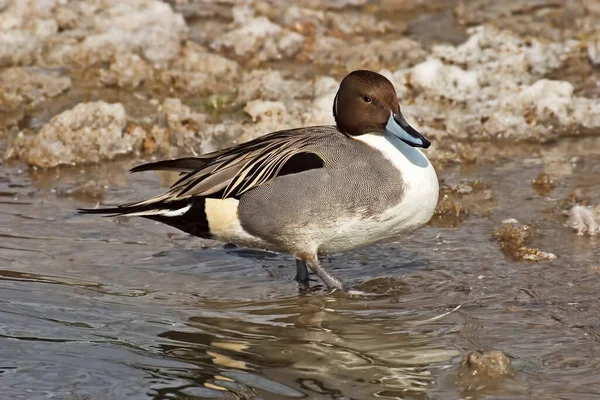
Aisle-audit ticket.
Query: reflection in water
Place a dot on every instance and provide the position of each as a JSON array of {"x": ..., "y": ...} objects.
[{"x": 307, "y": 347}]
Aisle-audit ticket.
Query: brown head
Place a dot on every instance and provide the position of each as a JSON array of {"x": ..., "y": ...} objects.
[{"x": 366, "y": 102}]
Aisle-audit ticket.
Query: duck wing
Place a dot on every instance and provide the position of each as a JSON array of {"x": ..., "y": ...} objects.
[
  {"x": 229, "y": 173},
  {"x": 234, "y": 171}
]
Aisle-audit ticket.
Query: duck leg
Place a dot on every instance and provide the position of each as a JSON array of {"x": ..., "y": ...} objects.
[
  {"x": 301, "y": 273},
  {"x": 331, "y": 281}
]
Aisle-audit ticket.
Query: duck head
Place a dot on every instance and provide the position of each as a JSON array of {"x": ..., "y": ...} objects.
[{"x": 366, "y": 102}]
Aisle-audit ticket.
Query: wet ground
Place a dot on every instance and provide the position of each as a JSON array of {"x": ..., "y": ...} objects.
[{"x": 98, "y": 308}]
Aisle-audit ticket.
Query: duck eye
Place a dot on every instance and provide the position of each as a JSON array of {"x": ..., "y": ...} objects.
[{"x": 367, "y": 99}]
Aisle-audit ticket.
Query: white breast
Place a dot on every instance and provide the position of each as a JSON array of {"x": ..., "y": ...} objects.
[{"x": 415, "y": 209}]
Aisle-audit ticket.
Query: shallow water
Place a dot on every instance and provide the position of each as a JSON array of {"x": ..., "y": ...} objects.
[{"x": 98, "y": 308}]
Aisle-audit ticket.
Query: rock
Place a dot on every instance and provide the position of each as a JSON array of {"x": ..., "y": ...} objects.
[
  {"x": 532, "y": 254},
  {"x": 147, "y": 28},
  {"x": 576, "y": 197},
  {"x": 255, "y": 36},
  {"x": 290, "y": 44},
  {"x": 199, "y": 71},
  {"x": 492, "y": 86},
  {"x": 127, "y": 70},
  {"x": 343, "y": 56},
  {"x": 320, "y": 111},
  {"x": 185, "y": 129},
  {"x": 150, "y": 27},
  {"x": 448, "y": 208},
  {"x": 197, "y": 58},
  {"x": 56, "y": 32},
  {"x": 459, "y": 200},
  {"x": 30, "y": 86},
  {"x": 443, "y": 80},
  {"x": 18, "y": 47},
  {"x": 25, "y": 26},
  {"x": 512, "y": 235},
  {"x": 90, "y": 132},
  {"x": 551, "y": 20},
  {"x": 267, "y": 116},
  {"x": 360, "y": 23},
  {"x": 267, "y": 84},
  {"x": 480, "y": 369},
  {"x": 542, "y": 184},
  {"x": 513, "y": 238},
  {"x": 260, "y": 110}
]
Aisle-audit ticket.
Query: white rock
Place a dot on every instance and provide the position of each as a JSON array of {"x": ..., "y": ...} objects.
[
  {"x": 89, "y": 132},
  {"x": 548, "y": 98},
  {"x": 127, "y": 70},
  {"x": 148, "y": 28},
  {"x": 267, "y": 116},
  {"x": 267, "y": 84},
  {"x": 498, "y": 78},
  {"x": 290, "y": 43},
  {"x": 264, "y": 110},
  {"x": 321, "y": 108},
  {"x": 247, "y": 38},
  {"x": 443, "y": 80},
  {"x": 31, "y": 85}
]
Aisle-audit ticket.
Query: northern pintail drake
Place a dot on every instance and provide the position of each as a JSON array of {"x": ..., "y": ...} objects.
[{"x": 307, "y": 191}]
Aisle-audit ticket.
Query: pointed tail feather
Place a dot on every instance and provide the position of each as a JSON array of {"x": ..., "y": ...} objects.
[
  {"x": 187, "y": 164},
  {"x": 188, "y": 215},
  {"x": 142, "y": 209}
]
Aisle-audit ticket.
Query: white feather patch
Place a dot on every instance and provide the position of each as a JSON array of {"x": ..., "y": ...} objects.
[
  {"x": 162, "y": 212},
  {"x": 225, "y": 225}
]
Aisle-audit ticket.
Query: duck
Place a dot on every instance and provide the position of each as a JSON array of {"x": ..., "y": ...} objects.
[{"x": 309, "y": 191}]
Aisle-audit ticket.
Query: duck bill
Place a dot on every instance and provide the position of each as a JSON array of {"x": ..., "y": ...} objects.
[{"x": 398, "y": 127}]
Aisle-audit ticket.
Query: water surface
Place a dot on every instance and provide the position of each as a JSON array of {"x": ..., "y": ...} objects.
[{"x": 103, "y": 308}]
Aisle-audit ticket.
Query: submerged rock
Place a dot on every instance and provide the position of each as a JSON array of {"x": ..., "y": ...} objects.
[
  {"x": 512, "y": 234},
  {"x": 542, "y": 184},
  {"x": 533, "y": 254},
  {"x": 513, "y": 238},
  {"x": 480, "y": 369},
  {"x": 89, "y": 132},
  {"x": 459, "y": 200}
]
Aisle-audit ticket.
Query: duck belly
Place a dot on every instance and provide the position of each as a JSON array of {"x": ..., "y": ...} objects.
[{"x": 414, "y": 211}]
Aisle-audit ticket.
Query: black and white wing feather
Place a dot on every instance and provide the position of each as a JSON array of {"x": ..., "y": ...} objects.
[{"x": 227, "y": 173}]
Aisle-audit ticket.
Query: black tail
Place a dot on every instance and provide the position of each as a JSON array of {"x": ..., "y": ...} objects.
[
  {"x": 187, "y": 164},
  {"x": 188, "y": 215}
]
